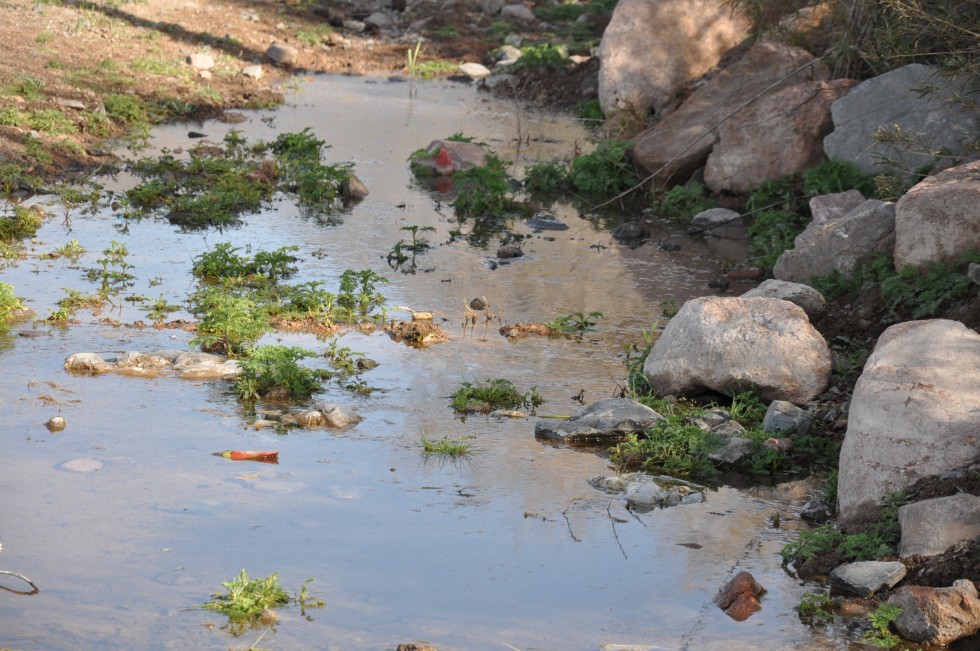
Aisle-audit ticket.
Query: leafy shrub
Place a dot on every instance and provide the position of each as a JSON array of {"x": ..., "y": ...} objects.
[
  {"x": 9, "y": 303},
  {"x": 276, "y": 371},
  {"x": 671, "y": 446},
  {"x": 229, "y": 323},
  {"x": 25, "y": 223},
  {"x": 543, "y": 56},
  {"x": 483, "y": 191},
  {"x": 546, "y": 176},
  {"x": 605, "y": 171},
  {"x": 833, "y": 176},
  {"x": 779, "y": 215},
  {"x": 683, "y": 201}
]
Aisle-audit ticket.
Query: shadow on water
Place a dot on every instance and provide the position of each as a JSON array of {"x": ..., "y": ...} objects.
[{"x": 509, "y": 548}]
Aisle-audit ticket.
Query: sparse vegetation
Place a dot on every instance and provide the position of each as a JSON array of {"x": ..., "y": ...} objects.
[
  {"x": 576, "y": 322},
  {"x": 24, "y": 223},
  {"x": 247, "y": 599},
  {"x": 276, "y": 372},
  {"x": 605, "y": 171},
  {"x": 9, "y": 303},
  {"x": 815, "y": 609},
  {"x": 450, "y": 447}
]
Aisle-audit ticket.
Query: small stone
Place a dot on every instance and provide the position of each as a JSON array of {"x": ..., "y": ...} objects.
[
  {"x": 478, "y": 304},
  {"x": 201, "y": 61},
  {"x": 81, "y": 465},
  {"x": 282, "y": 54},
  {"x": 739, "y": 598},
  {"x": 354, "y": 189},
  {"x": 782, "y": 445},
  {"x": 204, "y": 74},
  {"x": 56, "y": 424},
  {"x": 253, "y": 72},
  {"x": 814, "y": 511},
  {"x": 519, "y": 12},
  {"x": 71, "y": 103},
  {"x": 475, "y": 71},
  {"x": 509, "y": 251}
]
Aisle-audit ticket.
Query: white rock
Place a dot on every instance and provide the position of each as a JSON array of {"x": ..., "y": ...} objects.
[
  {"x": 474, "y": 71},
  {"x": 201, "y": 61},
  {"x": 253, "y": 72},
  {"x": 725, "y": 344},
  {"x": 812, "y": 301},
  {"x": 913, "y": 414}
]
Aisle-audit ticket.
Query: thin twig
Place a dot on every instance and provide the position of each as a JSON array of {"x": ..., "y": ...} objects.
[
  {"x": 569, "y": 522},
  {"x": 613, "y": 521},
  {"x": 709, "y": 130},
  {"x": 22, "y": 578}
]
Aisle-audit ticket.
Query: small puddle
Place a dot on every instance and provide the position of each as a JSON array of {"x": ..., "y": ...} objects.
[{"x": 509, "y": 547}]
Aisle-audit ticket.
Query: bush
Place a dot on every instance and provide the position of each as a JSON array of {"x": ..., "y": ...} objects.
[
  {"x": 605, "y": 171},
  {"x": 546, "y": 176},
  {"x": 683, "y": 201},
  {"x": 25, "y": 223},
  {"x": 276, "y": 371},
  {"x": 9, "y": 303}
]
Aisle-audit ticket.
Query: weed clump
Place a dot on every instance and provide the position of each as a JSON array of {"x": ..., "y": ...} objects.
[
  {"x": 275, "y": 372},
  {"x": 25, "y": 223},
  {"x": 605, "y": 171},
  {"x": 9, "y": 303},
  {"x": 450, "y": 447},
  {"x": 493, "y": 394},
  {"x": 247, "y": 599}
]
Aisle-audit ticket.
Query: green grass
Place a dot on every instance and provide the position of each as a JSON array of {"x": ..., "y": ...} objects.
[
  {"x": 30, "y": 88},
  {"x": 493, "y": 394},
  {"x": 450, "y": 447},
  {"x": 543, "y": 56},
  {"x": 9, "y": 303},
  {"x": 546, "y": 176},
  {"x": 163, "y": 67},
  {"x": 815, "y": 609},
  {"x": 575, "y": 323},
  {"x": 248, "y": 598}
]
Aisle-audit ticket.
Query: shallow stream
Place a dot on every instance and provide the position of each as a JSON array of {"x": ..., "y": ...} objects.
[{"x": 509, "y": 548}]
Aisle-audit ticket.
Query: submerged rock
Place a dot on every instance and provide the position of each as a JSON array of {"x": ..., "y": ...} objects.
[
  {"x": 606, "y": 421},
  {"x": 646, "y": 492},
  {"x": 86, "y": 363}
]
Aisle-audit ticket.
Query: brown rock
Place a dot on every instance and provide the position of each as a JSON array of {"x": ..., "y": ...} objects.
[
  {"x": 681, "y": 142},
  {"x": 739, "y": 598},
  {"x": 780, "y": 134},
  {"x": 937, "y": 615}
]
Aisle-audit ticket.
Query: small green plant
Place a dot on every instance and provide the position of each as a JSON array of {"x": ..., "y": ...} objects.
[
  {"x": 545, "y": 55},
  {"x": 248, "y": 598},
  {"x": 493, "y": 394},
  {"x": 483, "y": 191},
  {"x": 605, "y": 171},
  {"x": 30, "y": 88},
  {"x": 881, "y": 636},
  {"x": 358, "y": 293},
  {"x": 591, "y": 112},
  {"x": 314, "y": 36},
  {"x": 229, "y": 323},
  {"x": 275, "y": 372},
  {"x": 223, "y": 262},
  {"x": 546, "y": 176},
  {"x": 683, "y": 202},
  {"x": 450, "y": 447},
  {"x": 113, "y": 270},
  {"x": 9, "y": 303},
  {"x": 815, "y": 609},
  {"x": 779, "y": 215},
  {"x": 576, "y": 322},
  {"x": 413, "y": 60},
  {"x": 160, "y": 309},
  {"x": 834, "y": 176},
  {"x": 75, "y": 300},
  {"x": 671, "y": 446},
  {"x": 72, "y": 251},
  {"x": 419, "y": 244}
]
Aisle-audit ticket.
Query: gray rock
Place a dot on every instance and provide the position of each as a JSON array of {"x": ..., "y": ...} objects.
[
  {"x": 607, "y": 420},
  {"x": 497, "y": 80},
  {"x": 379, "y": 20},
  {"x": 782, "y": 416},
  {"x": 937, "y": 615},
  {"x": 865, "y": 578},
  {"x": 252, "y": 72},
  {"x": 891, "y": 100},
  {"x": 56, "y": 424},
  {"x": 734, "y": 452},
  {"x": 91, "y": 363},
  {"x": 507, "y": 55},
  {"x": 913, "y": 414},
  {"x": 938, "y": 219},
  {"x": 546, "y": 222},
  {"x": 814, "y": 511},
  {"x": 650, "y": 50},
  {"x": 461, "y": 156},
  {"x": 67, "y": 102},
  {"x": 355, "y": 26},
  {"x": 282, "y": 54},
  {"x": 812, "y": 301},
  {"x": 842, "y": 245},
  {"x": 654, "y": 493},
  {"x": 573, "y": 433},
  {"x": 931, "y": 527},
  {"x": 354, "y": 189},
  {"x": 720, "y": 222},
  {"x": 201, "y": 61},
  {"x": 973, "y": 272},
  {"x": 828, "y": 207},
  {"x": 517, "y": 12},
  {"x": 475, "y": 71},
  {"x": 728, "y": 429},
  {"x": 722, "y": 344},
  {"x": 493, "y": 7},
  {"x": 335, "y": 415}
]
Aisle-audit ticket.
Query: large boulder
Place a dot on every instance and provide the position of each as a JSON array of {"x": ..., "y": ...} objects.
[
  {"x": 780, "y": 134},
  {"x": 937, "y": 615},
  {"x": 931, "y": 527},
  {"x": 730, "y": 344},
  {"x": 650, "y": 50},
  {"x": 891, "y": 100},
  {"x": 680, "y": 143},
  {"x": 841, "y": 245},
  {"x": 913, "y": 414},
  {"x": 938, "y": 219}
]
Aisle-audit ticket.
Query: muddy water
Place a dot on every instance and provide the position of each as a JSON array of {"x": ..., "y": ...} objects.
[{"x": 510, "y": 548}]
